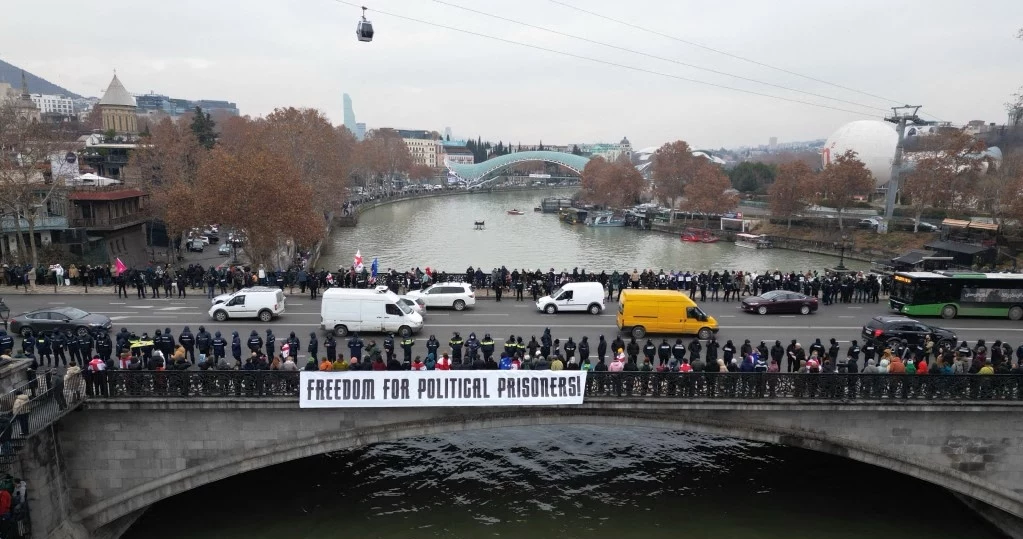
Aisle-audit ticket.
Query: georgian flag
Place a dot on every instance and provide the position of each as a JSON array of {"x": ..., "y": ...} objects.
[{"x": 358, "y": 261}]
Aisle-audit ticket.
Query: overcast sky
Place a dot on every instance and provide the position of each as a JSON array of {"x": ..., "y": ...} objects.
[{"x": 959, "y": 59}]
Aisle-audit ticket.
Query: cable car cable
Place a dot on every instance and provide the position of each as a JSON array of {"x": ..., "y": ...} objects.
[
  {"x": 614, "y": 64},
  {"x": 654, "y": 56},
  {"x": 730, "y": 55}
]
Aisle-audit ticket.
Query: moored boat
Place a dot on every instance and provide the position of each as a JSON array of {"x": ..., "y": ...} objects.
[
  {"x": 516, "y": 212},
  {"x": 698, "y": 235},
  {"x": 604, "y": 219},
  {"x": 753, "y": 241}
]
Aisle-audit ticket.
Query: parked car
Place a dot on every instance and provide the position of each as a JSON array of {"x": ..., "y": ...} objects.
[
  {"x": 582, "y": 297},
  {"x": 416, "y": 304},
  {"x": 455, "y": 295},
  {"x": 196, "y": 245},
  {"x": 62, "y": 318},
  {"x": 780, "y": 301},
  {"x": 224, "y": 249},
  {"x": 888, "y": 330},
  {"x": 870, "y": 223}
]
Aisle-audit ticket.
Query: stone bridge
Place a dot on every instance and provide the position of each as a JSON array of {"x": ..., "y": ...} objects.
[{"x": 105, "y": 465}]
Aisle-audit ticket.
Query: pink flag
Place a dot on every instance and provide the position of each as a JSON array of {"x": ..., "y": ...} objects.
[{"x": 119, "y": 266}]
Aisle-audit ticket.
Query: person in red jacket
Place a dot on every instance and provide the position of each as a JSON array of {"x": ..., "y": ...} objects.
[{"x": 444, "y": 363}]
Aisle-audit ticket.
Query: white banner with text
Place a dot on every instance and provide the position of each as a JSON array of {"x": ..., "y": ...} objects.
[{"x": 389, "y": 389}]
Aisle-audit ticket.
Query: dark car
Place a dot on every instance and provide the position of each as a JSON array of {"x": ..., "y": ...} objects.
[
  {"x": 886, "y": 331},
  {"x": 780, "y": 301},
  {"x": 62, "y": 318}
]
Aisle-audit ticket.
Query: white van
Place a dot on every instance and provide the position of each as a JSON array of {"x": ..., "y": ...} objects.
[
  {"x": 260, "y": 302},
  {"x": 347, "y": 310},
  {"x": 586, "y": 296}
]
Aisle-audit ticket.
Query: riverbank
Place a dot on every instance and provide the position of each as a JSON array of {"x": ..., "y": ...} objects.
[{"x": 827, "y": 246}]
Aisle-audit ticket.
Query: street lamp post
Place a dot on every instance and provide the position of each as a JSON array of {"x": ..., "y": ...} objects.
[{"x": 841, "y": 256}]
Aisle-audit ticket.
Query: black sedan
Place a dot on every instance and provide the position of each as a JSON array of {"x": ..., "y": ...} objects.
[
  {"x": 62, "y": 318},
  {"x": 780, "y": 301}
]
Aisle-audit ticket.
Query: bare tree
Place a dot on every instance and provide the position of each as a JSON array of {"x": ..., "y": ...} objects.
[
  {"x": 710, "y": 191},
  {"x": 791, "y": 191},
  {"x": 674, "y": 168},
  {"x": 28, "y": 150},
  {"x": 842, "y": 181}
]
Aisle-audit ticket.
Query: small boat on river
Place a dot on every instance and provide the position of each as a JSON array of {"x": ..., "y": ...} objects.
[{"x": 516, "y": 212}]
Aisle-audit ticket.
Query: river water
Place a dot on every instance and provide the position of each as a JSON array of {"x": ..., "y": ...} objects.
[
  {"x": 438, "y": 233},
  {"x": 578, "y": 482}
]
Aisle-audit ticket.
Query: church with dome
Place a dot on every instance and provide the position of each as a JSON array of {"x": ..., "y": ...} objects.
[{"x": 117, "y": 107}]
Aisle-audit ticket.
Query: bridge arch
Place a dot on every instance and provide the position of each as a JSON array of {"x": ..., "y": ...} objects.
[
  {"x": 238, "y": 462},
  {"x": 478, "y": 173}
]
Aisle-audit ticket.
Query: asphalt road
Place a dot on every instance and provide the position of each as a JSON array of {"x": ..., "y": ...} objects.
[{"x": 843, "y": 321}]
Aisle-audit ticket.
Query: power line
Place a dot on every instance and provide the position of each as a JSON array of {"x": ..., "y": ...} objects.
[
  {"x": 599, "y": 61},
  {"x": 730, "y": 55},
  {"x": 641, "y": 53}
]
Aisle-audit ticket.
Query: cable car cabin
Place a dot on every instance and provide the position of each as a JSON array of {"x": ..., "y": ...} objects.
[{"x": 364, "y": 30}]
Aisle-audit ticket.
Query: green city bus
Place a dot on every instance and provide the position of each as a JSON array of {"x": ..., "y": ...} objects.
[{"x": 949, "y": 294}]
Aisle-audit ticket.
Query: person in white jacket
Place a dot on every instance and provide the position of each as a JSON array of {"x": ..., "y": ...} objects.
[
  {"x": 20, "y": 411},
  {"x": 74, "y": 384}
]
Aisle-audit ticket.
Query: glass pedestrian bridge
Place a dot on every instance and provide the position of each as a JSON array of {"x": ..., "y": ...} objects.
[{"x": 481, "y": 173}]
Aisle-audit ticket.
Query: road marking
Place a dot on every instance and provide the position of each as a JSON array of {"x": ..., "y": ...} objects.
[
  {"x": 171, "y": 308},
  {"x": 787, "y": 316},
  {"x": 726, "y": 316},
  {"x": 57, "y": 303},
  {"x": 487, "y": 314},
  {"x": 854, "y": 307},
  {"x": 118, "y": 303},
  {"x": 142, "y": 307},
  {"x": 295, "y": 304},
  {"x": 846, "y": 316}
]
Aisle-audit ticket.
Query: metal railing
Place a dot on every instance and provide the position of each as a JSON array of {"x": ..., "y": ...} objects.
[
  {"x": 846, "y": 388},
  {"x": 108, "y": 222}
]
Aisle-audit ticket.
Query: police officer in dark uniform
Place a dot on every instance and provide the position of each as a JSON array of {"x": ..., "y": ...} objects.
[
  {"x": 7, "y": 342},
  {"x": 678, "y": 351},
  {"x": 255, "y": 343},
  {"x": 314, "y": 345},
  {"x": 187, "y": 341},
  {"x": 271, "y": 343},
  {"x": 355, "y": 345},
  {"x": 456, "y": 343},
  {"x": 219, "y": 344},
  {"x": 104, "y": 346},
  {"x": 570, "y": 348},
  {"x": 330, "y": 346},
  {"x": 406, "y": 348},
  {"x": 389, "y": 347},
  {"x": 58, "y": 343},
  {"x": 44, "y": 348},
  {"x": 168, "y": 343},
  {"x": 85, "y": 348},
  {"x": 432, "y": 345},
  {"x": 28, "y": 344},
  {"x": 584, "y": 349},
  {"x": 473, "y": 345},
  {"x": 663, "y": 352},
  {"x": 487, "y": 346},
  {"x": 204, "y": 341}
]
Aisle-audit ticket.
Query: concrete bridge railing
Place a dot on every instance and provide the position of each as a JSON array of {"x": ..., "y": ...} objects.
[{"x": 160, "y": 434}]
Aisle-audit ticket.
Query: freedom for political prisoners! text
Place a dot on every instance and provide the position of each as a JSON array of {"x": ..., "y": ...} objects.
[{"x": 436, "y": 388}]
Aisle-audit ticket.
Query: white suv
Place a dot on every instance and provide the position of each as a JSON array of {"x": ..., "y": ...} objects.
[{"x": 455, "y": 295}]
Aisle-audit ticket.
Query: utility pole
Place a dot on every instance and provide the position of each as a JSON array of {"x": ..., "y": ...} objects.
[{"x": 901, "y": 116}]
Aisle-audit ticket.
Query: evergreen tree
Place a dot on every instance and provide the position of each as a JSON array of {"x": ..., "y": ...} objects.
[
  {"x": 576, "y": 150},
  {"x": 202, "y": 128}
]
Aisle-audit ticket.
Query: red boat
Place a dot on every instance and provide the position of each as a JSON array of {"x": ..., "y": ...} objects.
[{"x": 698, "y": 235}]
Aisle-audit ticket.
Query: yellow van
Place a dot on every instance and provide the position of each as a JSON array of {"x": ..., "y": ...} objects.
[{"x": 663, "y": 311}]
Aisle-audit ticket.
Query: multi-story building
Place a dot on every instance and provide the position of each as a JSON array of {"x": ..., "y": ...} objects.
[
  {"x": 349, "y": 113},
  {"x": 360, "y": 131},
  {"x": 151, "y": 103},
  {"x": 458, "y": 155},
  {"x": 424, "y": 146},
  {"x": 608, "y": 151},
  {"x": 54, "y": 104}
]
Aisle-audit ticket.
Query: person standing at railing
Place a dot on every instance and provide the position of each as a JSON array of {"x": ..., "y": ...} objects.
[{"x": 20, "y": 410}]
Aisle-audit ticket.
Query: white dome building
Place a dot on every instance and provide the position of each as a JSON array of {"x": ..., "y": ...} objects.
[{"x": 874, "y": 142}]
